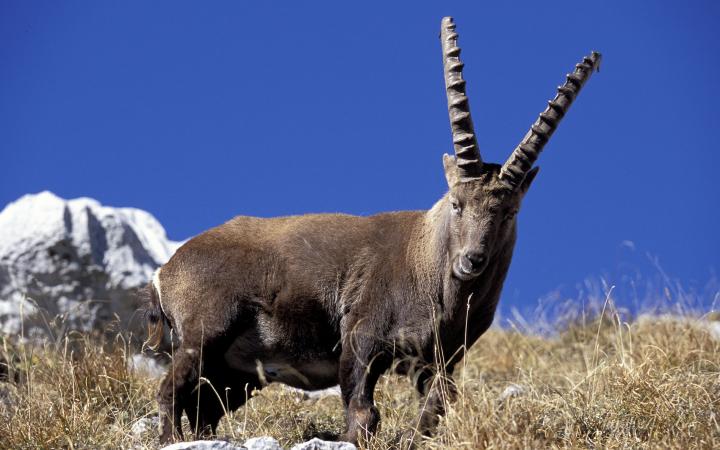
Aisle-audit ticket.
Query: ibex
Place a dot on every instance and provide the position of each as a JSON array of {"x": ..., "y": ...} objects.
[{"x": 316, "y": 300}]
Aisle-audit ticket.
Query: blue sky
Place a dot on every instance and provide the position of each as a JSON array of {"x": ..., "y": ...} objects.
[{"x": 197, "y": 113}]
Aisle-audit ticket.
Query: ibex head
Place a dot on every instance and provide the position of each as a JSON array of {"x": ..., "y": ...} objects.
[{"x": 484, "y": 198}]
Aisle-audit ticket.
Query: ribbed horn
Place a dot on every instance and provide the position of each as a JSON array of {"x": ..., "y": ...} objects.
[
  {"x": 467, "y": 154},
  {"x": 526, "y": 153}
]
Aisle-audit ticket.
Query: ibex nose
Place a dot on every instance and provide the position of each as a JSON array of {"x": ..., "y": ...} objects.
[{"x": 477, "y": 259}]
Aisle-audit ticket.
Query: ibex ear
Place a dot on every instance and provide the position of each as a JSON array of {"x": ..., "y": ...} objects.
[
  {"x": 450, "y": 165},
  {"x": 528, "y": 180}
]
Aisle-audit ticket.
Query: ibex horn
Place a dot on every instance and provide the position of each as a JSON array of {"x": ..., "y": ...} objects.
[
  {"x": 526, "y": 153},
  {"x": 468, "y": 159}
]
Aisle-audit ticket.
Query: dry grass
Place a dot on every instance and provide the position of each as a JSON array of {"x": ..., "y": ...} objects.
[{"x": 603, "y": 384}]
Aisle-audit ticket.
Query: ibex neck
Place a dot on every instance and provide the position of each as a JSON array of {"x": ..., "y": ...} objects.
[
  {"x": 432, "y": 267},
  {"x": 428, "y": 253}
]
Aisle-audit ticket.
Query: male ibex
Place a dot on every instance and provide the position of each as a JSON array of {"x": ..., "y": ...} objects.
[{"x": 316, "y": 300}]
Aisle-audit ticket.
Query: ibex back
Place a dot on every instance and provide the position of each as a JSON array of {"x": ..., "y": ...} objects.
[{"x": 316, "y": 300}]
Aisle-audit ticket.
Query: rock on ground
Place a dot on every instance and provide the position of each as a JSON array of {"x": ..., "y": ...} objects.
[
  {"x": 145, "y": 425},
  {"x": 260, "y": 443},
  {"x": 708, "y": 323},
  {"x": 317, "y": 444},
  {"x": 203, "y": 445},
  {"x": 146, "y": 366},
  {"x": 75, "y": 260},
  {"x": 314, "y": 395},
  {"x": 513, "y": 390},
  {"x": 8, "y": 397}
]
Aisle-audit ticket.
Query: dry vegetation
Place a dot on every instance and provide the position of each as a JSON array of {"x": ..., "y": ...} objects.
[{"x": 603, "y": 383}]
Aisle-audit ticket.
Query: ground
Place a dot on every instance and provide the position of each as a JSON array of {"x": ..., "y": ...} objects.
[{"x": 609, "y": 383}]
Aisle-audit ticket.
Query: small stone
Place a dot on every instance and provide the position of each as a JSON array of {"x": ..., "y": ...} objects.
[
  {"x": 146, "y": 366},
  {"x": 514, "y": 390},
  {"x": 317, "y": 444},
  {"x": 8, "y": 397},
  {"x": 203, "y": 445},
  {"x": 262, "y": 443},
  {"x": 714, "y": 329},
  {"x": 145, "y": 425},
  {"x": 315, "y": 395}
]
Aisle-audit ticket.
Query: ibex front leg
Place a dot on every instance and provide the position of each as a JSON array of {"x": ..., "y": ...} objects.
[
  {"x": 438, "y": 390},
  {"x": 176, "y": 391},
  {"x": 361, "y": 364}
]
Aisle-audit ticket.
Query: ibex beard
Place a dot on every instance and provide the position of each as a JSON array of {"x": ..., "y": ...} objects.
[{"x": 316, "y": 300}]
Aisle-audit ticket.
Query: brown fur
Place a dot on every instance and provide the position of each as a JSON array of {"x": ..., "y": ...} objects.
[{"x": 318, "y": 299}]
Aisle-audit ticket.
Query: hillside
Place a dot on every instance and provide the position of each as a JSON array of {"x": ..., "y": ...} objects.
[{"x": 654, "y": 382}]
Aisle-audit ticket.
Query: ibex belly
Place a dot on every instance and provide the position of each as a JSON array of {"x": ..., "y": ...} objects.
[{"x": 312, "y": 370}]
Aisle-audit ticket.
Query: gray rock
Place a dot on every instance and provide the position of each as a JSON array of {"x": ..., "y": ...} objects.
[
  {"x": 145, "y": 425},
  {"x": 705, "y": 323},
  {"x": 262, "y": 443},
  {"x": 146, "y": 366},
  {"x": 514, "y": 390},
  {"x": 315, "y": 395},
  {"x": 317, "y": 444},
  {"x": 76, "y": 261},
  {"x": 714, "y": 329},
  {"x": 203, "y": 445},
  {"x": 8, "y": 397}
]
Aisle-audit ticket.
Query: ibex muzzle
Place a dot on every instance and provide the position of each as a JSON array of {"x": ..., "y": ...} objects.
[{"x": 316, "y": 300}]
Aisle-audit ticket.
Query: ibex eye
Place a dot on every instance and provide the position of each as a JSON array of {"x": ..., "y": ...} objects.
[{"x": 456, "y": 207}]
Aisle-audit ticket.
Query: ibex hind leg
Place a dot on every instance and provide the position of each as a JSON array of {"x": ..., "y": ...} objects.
[
  {"x": 203, "y": 410},
  {"x": 223, "y": 390},
  {"x": 176, "y": 391}
]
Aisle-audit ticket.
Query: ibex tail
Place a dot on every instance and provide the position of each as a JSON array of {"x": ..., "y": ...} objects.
[{"x": 154, "y": 314}]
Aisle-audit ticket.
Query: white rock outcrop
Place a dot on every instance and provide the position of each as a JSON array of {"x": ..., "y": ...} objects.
[{"x": 74, "y": 261}]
